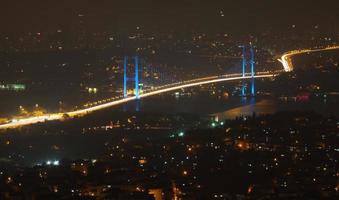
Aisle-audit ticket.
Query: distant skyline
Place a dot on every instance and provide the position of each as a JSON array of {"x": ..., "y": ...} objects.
[{"x": 232, "y": 15}]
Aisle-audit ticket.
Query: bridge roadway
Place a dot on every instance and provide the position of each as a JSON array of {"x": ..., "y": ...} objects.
[
  {"x": 286, "y": 57},
  {"x": 285, "y": 60},
  {"x": 14, "y": 123}
]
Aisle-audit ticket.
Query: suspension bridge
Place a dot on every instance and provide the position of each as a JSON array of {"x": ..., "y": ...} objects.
[{"x": 246, "y": 61}]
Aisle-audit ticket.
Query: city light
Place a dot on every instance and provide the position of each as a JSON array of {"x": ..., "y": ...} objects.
[{"x": 53, "y": 162}]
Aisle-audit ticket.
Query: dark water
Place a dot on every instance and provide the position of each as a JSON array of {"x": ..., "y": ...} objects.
[
  {"x": 270, "y": 106},
  {"x": 233, "y": 107}
]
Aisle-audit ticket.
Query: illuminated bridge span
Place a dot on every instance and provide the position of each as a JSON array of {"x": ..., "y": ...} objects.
[
  {"x": 159, "y": 90},
  {"x": 286, "y": 58}
]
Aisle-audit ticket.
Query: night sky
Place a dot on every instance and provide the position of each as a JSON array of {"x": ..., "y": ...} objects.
[{"x": 44, "y": 15}]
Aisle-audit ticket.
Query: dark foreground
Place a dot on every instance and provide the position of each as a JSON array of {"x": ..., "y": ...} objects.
[{"x": 283, "y": 156}]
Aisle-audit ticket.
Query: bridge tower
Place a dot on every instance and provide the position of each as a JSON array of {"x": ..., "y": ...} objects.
[
  {"x": 252, "y": 72},
  {"x": 245, "y": 63},
  {"x": 135, "y": 78}
]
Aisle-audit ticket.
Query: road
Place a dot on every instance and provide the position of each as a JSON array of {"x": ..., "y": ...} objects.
[
  {"x": 286, "y": 57},
  {"x": 14, "y": 123},
  {"x": 285, "y": 60}
]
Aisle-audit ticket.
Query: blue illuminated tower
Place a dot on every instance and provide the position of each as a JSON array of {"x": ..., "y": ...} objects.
[
  {"x": 243, "y": 70},
  {"x": 135, "y": 79},
  {"x": 125, "y": 76},
  {"x": 245, "y": 63},
  {"x": 252, "y": 72}
]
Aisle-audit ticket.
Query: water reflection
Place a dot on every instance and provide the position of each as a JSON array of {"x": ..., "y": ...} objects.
[{"x": 249, "y": 106}]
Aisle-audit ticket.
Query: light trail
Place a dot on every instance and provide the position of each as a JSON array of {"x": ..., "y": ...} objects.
[
  {"x": 186, "y": 84},
  {"x": 201, "y": 83},
  {"x": 286, "y": 58}
]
